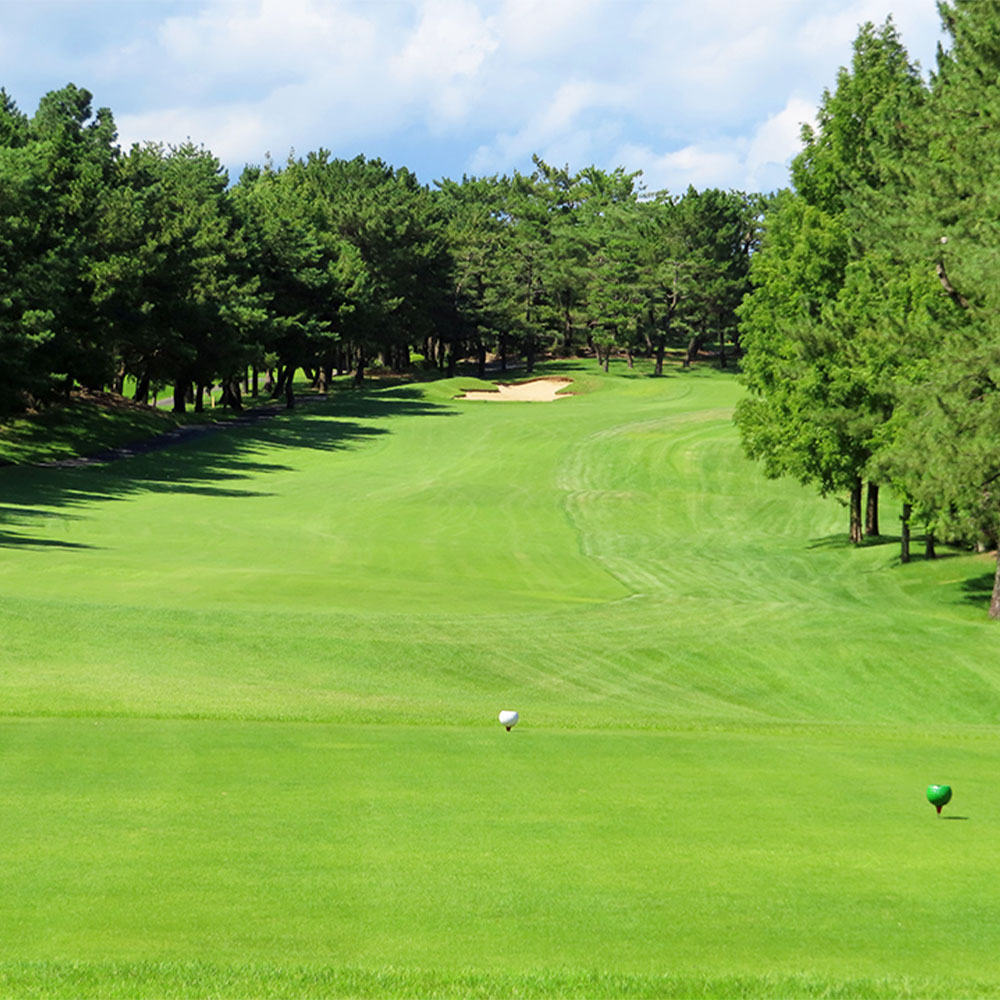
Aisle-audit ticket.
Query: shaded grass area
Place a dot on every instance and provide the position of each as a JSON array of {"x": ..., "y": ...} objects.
[
  {"x": 80, "y": 427},
  {"x": 169, "y": 980}
]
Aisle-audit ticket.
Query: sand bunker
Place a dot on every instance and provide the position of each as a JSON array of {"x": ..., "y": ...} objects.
[{"x": 541, "y": 390}]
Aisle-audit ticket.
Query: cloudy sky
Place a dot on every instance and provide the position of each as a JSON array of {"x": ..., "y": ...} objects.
[{"x": 708, "y": 92}]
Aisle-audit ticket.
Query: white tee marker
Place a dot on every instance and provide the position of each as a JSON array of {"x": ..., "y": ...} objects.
[{"x": 508, "y": 718}]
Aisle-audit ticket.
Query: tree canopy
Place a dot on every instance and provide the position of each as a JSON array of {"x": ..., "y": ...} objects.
[
  {"x": 145, "y": 267},
  {"x": 871, "y": 334}
]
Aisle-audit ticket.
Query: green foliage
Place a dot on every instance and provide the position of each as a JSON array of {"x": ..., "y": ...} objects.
[
  {"x": 144, "y": 267},
  {"x": 942, "y": 450},
  {"x": 825, "y": 328},
  {"x": 54, "y": 172}
]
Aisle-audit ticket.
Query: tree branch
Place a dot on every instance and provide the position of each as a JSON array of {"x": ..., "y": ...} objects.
[{"x": 953, "y": 292}]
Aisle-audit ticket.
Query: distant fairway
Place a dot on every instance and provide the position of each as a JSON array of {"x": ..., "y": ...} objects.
[{"x": 249, "y": 689}]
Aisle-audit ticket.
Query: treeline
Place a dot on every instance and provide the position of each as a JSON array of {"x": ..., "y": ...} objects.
[
  {"x": 144, "y": 268},
  {"x": 872, "y": 334}
]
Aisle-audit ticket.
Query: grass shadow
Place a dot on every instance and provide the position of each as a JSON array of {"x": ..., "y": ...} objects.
[
  {"x": 978, "y": 590},
  {"x": 917, "y": 542},
  {"x": 838, "y": 541},
  {"x": 211, "y": 460},
  {"x": 8, "y": 540}
]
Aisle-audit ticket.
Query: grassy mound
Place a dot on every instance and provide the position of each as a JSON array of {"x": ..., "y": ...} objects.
[{"x": 87, "y": 424}]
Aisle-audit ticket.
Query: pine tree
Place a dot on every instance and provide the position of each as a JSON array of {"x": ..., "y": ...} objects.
[{"x": 819, "y": 347}]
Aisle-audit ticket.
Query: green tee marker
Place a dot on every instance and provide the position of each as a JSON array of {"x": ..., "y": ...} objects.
[{"x": 939, "y": 795}]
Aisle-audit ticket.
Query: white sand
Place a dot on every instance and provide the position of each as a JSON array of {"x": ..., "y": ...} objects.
[{"x": 541, "y": 390}]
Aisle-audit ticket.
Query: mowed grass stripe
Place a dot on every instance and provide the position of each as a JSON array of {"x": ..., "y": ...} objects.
[{"x": 608, "y": 559}]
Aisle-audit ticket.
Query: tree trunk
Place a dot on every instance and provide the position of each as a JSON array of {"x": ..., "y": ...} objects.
[
  {"x": 628, "y": 355},
  {"x": 529, "y": 355},
  {"x": 871, "y": 511},
  {"x": 359, "y": 372},
  {"x": 694, "y": 345},
  {"x": 141, "y": 394},
  {"x": 286, "y": 376},
  {"x": 503, "y": 352},
  {"x": 180, "y": 395},
  {"x": 995, "y": 599},
  {"x": 904, "y": 537},
  {"x": 481, "y": 359},
  {"x": 290, "y": 387},
  {"x": 722, "y": 349},
  {"x": 661, "y": 343},
  {"x": 231, "y": 395},
  {"x": 254, "y": 381},
  {"x": 929, "y": 550},
  {"x": 856, "y": 534},
  {"x": 199, "y": 398}
]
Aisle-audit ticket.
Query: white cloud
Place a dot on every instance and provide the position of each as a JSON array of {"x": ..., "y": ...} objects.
[
  {"x": 452, "y": 39},
  {"x": 560, "y": 123},
  {"x": 757, "y": 163},
  {"x": 711, "y": 93},
  {"x": 443, "y": 57},
  {"x": 694, "y": 165},
  {"x": 777, "y": 140},
  {"x": 533, "y": 30}
]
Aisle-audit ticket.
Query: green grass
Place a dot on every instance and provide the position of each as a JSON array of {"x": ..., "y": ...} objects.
[{"x": 249, "y": 689}]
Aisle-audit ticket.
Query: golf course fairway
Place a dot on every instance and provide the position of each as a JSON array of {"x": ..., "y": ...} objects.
[{"x": 249, "y": 693}]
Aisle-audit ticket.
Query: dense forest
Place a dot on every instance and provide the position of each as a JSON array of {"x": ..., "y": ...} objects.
[
  {"x": 145, "y": 268},
  {"x": 860, "y": 302}
]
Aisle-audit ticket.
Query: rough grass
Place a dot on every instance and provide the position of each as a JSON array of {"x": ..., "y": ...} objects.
[{"x": 249, "y": 689}]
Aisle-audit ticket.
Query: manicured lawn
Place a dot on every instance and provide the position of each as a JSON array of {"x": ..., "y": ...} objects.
[{"x": 249, "y": 689}]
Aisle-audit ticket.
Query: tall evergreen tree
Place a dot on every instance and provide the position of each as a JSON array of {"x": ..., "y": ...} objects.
[
  {"x": 55, "y": 173},
  {"x": 943, "y": 451},
  {"x": 817, "y": 361}
]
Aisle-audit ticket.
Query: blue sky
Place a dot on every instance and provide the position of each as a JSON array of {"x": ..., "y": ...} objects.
[{"x": 703, "y": 92}]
